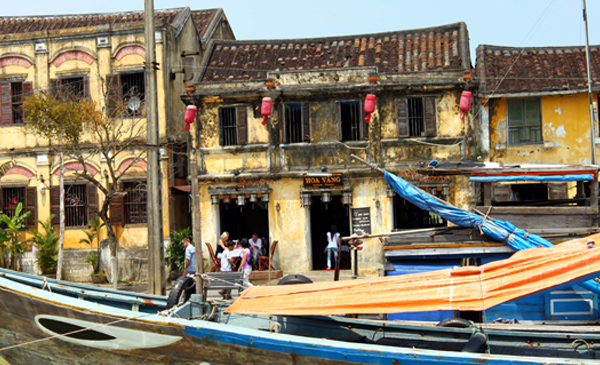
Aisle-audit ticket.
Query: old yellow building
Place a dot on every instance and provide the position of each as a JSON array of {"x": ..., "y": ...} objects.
[
  {"x": 292, "y": 178},
  {"x": 101, "y": 57}
]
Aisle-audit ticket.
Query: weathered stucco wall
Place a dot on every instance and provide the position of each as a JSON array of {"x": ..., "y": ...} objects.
[{"x": 565, "y": 132}]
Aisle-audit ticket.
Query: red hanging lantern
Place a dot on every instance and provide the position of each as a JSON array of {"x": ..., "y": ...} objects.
[
  {"x": 266, "y": 108},
  {"x": 370, "y": 102},
  {"x": 465, "y": 102},
  {"x": 190, "y": 116}
]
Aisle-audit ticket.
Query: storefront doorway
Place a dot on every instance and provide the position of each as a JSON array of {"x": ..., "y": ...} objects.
[
  {"x": 322, "y": 216},
  {"x": 243, "y": 220}
]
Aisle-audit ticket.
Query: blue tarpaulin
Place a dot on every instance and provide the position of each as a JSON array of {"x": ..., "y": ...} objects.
[
  {"x": 501, "y": 231},
  {"x": 549, "y": 178}
]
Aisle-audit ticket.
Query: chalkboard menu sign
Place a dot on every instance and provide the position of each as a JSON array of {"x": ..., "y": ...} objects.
[
  {"x": 361, "y": 221},
  {"x": 324, "y": 181}
]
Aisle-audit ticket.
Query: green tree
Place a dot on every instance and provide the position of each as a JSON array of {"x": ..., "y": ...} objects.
[
  {"x": 47, "y": 244},
  {"x": 14, "y": 245},
  {"x": 93, "y": 234}
]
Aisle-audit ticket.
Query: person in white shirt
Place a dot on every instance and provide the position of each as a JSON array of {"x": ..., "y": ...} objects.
[
  {"x": 226, "y": 261},
  {"x": 332, "y": 245},
  {"x": 256, "y": 243}
]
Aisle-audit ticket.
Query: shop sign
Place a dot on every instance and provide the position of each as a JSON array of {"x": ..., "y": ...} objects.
[
  {"x": 333, "y": 181},
  {"x": 361, "y": 221}
]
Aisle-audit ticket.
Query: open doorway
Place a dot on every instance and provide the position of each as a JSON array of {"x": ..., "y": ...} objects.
[
  {"x": 322, "y": 216},
  {"x": 243, "y": 220},
  {"x": 409, "y": 216}
]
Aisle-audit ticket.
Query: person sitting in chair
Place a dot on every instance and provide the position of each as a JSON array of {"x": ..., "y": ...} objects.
[
  {"x": 256, "y": 243},
  {"x": 222, "y": 244}
]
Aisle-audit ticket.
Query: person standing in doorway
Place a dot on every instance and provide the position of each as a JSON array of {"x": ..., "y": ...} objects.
[
  {"x": 222, "y": 244},
  {"x": 190, "y": 257},
  {"x": 245, "y": 267},
  {"x": 226, "y": 261},
  {"x": 332, "y": 245}
]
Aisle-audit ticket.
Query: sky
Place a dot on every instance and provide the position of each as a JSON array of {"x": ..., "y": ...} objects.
[{"x": 516, "y": 23}]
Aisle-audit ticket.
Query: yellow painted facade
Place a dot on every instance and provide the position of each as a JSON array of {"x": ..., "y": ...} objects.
[
  {"x": 95, "y": 52},
  {"x": 565, "y": 129}
]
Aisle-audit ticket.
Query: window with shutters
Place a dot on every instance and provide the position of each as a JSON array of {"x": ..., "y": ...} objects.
[
  {"x": 135, "y": 202},
  {"x": 10, "y": 197},
  {"x": 297, "y": 122},
  {"x": 352, "y": 121},
  {"x": 233, "y": 126},
  {"x": 75, "y": 206},
  {"x": 126, "y": 94},
  {"x": 416, "y": 117},
  {"x": 524, "y": 121},
  {"x": 11, "y": 100}
]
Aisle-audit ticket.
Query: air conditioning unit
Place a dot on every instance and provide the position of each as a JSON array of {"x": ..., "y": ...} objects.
[
  {"x": 103, "y": 41},
  {"x": 40, "y": 47}
]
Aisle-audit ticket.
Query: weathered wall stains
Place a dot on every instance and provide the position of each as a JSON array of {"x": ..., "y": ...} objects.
[{"x": 565, "y": 132}]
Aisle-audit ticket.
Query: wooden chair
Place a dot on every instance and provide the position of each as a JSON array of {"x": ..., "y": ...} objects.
[
  {"x": 265, "y": 261},
  {"x": 216, "y": 262}
]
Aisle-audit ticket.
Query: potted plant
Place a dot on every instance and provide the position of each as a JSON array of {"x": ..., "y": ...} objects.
[
  {"x": 47, "y": 244},
  {"x": 14, "y": 224},
  {"x": 176, "y": 252},
  {"x": 93, "y": 258}
]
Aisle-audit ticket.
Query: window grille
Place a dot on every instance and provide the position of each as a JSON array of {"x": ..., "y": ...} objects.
[
  {"x": 16, "y": 92},
  {"x": 416, "y": 117},
  {"x": 11, "y": 198},
  {"x": 351, "y": 121},
  {"x": 75, "y": 206},
  {"x": 293, "y": 120},
  {"x": 227, "y": 116},
  {"x": 135, "y": 202}
]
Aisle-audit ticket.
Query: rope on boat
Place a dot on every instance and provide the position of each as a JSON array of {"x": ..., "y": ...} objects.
[
  {"x": 73, "y": 332},
  {"x": 211, "y": 278}
]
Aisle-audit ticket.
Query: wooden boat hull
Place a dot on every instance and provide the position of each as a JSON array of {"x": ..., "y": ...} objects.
[{"x": 31, "y": 316}]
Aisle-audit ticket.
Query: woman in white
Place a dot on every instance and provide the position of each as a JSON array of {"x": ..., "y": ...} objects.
[{"x": 332, "y": 244}]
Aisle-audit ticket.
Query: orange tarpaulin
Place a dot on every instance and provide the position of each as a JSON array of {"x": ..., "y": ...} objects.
[{"x": 466, "y": 288}]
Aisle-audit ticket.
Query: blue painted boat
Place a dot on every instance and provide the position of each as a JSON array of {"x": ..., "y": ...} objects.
[{"x": 46, "y": 320}]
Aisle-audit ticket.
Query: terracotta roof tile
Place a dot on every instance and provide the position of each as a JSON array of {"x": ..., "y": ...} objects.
[
  {"x": 27, "y": 24},
  {"x": 420, "y": 50},
  {"x": 510, "y": 70}
]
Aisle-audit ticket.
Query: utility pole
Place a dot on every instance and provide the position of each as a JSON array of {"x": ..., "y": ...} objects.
[
  {"x": 196, "y": 217},
  {"x": 61, "y": 213},
  {"x": 155, "y": 236},
  {"x": 589, "y": 82}
]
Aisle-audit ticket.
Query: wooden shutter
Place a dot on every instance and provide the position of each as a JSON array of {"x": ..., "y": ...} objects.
[
  {"x": 117, "y": 208},
  {"x": 27, "y": 88},
  {"x": 55, "y": 204},
  {"x": 241, "y": 123},
  {"x": 86, "y": 87},
  {"x": 284, "y": 125},
  {"x": 220, "y": 112},
  {"x": 113, "y": 91},
  {"x": 31, "y": 206},
  {"x": 364, "y": 126},
  {"x": 501, "y": 192},
  {"x": 306, "y": 122},
  {"x": 339, "y": 121},
  {"x": 430, "y": 116},
  {"x": 558, "y": 191},
  {"x": 5, "y": 104},
  {"x": 402, "y": 117},
  {"x": 92, "y": 201},
  {"x": 1, "y": 199}
]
